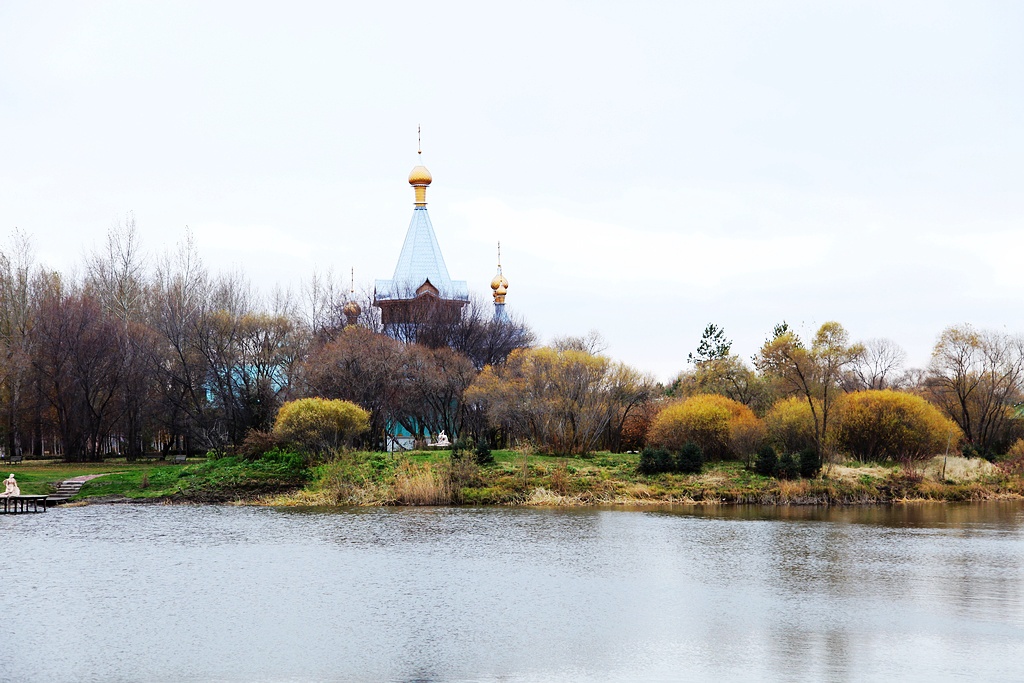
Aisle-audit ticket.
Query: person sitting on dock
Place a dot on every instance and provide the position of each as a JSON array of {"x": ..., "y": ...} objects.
[{"x": 11, "y": 487}]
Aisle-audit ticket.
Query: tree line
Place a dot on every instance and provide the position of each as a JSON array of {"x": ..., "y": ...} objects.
[{"x": 137, "y": 354}]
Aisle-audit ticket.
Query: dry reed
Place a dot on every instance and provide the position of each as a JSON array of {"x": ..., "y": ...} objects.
[{"x": 422, "y": 485}]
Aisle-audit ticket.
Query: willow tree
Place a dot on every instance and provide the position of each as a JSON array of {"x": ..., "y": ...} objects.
[
  {"x": 814, "y": 373},
  {"x": 562, "y": 399}
]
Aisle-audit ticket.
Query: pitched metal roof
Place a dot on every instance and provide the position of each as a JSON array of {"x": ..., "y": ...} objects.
[{"x": 420, "y": 261}]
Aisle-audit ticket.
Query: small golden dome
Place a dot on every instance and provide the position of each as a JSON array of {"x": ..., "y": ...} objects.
[
  {"x": 499, "y": 282},
  {"x": 351, "y": 310},
  {"x": 420, "y": 176}
]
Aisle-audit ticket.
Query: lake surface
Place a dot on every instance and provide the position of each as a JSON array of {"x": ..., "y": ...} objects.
[{"x": 170, "y": 593}]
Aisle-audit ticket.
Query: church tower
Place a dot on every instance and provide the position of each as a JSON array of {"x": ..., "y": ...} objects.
[{"x": 420, "y": 291}]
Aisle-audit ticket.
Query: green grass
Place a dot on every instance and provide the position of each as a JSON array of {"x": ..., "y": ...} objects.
[
  {"x": 372, "y": 478},
  {"x": 204, "y": 480}
]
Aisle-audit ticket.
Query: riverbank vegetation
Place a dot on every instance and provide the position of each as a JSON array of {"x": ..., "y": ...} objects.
[
  {"x": 360, "y": 478},
  {"x": 292, "y": 396}
]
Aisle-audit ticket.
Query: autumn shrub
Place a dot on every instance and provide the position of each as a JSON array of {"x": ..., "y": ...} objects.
[
  {"x": 633, "y": 435},
  {"x": 746, "y": 435},
  {"x": 718, "y": 425},
  {"x": 1013, "y": 463},
  {"x": 256, "y": 443},
  {"x": 893, "y": 425},
  {"x": 318, "y": 425},
  {"x": 790, "y": 425}
]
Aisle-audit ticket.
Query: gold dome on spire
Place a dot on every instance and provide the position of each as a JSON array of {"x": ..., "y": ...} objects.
[
  {"x": 499, "y": 284},
  {"x": 420, "y": 176}
]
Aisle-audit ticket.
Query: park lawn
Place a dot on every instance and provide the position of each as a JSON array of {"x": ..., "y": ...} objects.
[
  {"x": 205, "y": 480},
  {"x": 38, "y": 477}
]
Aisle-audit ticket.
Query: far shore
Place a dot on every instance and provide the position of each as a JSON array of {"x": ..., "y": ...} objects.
[{"x": 512, "y": 479}]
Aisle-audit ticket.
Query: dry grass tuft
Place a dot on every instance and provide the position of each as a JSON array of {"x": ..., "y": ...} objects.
[
  {"x": 959, "y": 468},
  {"x": 795, "y": 490},
  {"x": 422, "y": 485},
  {"x": 854, "y": 474}
]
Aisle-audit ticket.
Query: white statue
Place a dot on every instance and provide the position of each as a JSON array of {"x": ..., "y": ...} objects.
[
  {"x": 442, "y": 440},
  {"x": 11, "y": 487}
]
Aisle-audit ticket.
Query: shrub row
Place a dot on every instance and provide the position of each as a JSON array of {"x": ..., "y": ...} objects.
[{"x": 687, "y": 460}]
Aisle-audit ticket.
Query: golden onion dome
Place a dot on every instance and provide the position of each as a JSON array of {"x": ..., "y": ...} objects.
[
  {"x": 499, "y": 282},
  {"x": 351, "y": 310},
  {"x": 420, "y": 176}
]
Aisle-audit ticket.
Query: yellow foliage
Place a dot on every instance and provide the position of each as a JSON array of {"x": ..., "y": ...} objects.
[
  {"x": 790, "y": 425},
  {"x": 719, "y": 425},
  {"x": 887, "y": 424},
  {"x": 1017, "y": 449},
  {"x": 319, "y": 424}
]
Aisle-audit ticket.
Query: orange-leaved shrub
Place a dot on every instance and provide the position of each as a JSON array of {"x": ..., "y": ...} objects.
[
  {"x": 721, "y": 427},
  {"x": 893, "y": 425},
  {"x": 790, "y": 425}
]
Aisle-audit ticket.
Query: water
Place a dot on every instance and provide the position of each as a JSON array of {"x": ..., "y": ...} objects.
[{"x": 170, "y": 593}]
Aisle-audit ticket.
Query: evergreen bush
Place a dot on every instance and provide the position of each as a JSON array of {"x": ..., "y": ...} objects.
[
  {"x": 690, "y": 459},
  {"x": 483, "y": 453},
  {"x": 655, "y": 461},
  {"x": 789, "y": 467},
  {"x": 810, "y": 464},
  {"x": 767, "y": 462}
]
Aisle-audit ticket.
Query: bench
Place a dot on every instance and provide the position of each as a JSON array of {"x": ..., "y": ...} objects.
[
  {"x": 15, "y": 459},
  {"x": 180, "y": 458}
]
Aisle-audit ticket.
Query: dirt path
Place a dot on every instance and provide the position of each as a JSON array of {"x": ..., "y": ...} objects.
[{"x": 86, "y": 477}]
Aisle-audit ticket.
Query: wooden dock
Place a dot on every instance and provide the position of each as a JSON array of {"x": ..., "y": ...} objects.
[{"x": 12, "y": 505}]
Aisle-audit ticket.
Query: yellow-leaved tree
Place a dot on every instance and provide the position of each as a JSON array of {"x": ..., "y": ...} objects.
[{"x": 790, "y": 425}]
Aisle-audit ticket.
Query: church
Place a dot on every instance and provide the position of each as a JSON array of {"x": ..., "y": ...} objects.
[
  {"x": 421, "y": 291},
  {"x": 421, "y": 297}
]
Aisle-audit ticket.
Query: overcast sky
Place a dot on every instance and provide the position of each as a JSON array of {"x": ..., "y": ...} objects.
[{"x": 648, "y": 167}]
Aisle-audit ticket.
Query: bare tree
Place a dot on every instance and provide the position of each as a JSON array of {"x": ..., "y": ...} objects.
[
  {"x": 878, "y": 366},
  {"x": 19, "y": 277},
  {"x": 976, "y": 378}
]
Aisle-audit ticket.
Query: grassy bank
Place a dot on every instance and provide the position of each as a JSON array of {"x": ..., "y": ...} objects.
[
  {"x": 435, "y": 478},
  {"x": 204, "y": 480}
]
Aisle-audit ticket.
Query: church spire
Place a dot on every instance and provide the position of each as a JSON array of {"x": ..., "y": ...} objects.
[
  {"x": 420, "y": 177},
  {"x": 499, "y": 286}
]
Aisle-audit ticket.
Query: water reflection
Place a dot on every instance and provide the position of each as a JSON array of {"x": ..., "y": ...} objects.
[{"x": 439, "y": 594}]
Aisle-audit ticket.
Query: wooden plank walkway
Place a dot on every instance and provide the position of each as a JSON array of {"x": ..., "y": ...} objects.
[{"x": 12, "y": 505}]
